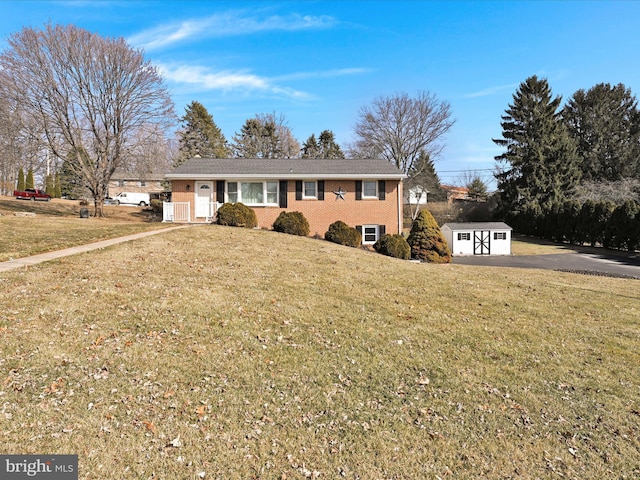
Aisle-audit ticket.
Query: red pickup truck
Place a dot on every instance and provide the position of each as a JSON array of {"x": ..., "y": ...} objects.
[{"x": 32, "y": 194}]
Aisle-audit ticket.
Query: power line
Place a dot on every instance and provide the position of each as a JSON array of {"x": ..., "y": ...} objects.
[{"x": 468, "y": 170}]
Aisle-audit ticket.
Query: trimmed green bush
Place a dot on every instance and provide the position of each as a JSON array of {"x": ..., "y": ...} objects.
[
  {"x": 293, "y": 223},
  {"x": 341, "y": 233},
  {"x": 426, "y": 240},
  {"x": 237, "y": 215},
  {"x": 393, "y": 246}
]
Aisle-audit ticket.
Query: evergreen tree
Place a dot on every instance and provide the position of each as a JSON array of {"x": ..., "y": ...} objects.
[
  {"x": 48, "y": 185},
  {"x": 324, "y": 147},
  {"x": 265, "y": 136},
  {"x": 21, "y": 184},
  {"x": 71, "y": 183},
  {"x": 426, "y": 240},
  {"x": 477, "y": 189},
  {"x": 328, "y": 146},
  {"x": 605, "y": 124},
  {"x": 423, "y": 180},
  {"x": 57, "y": 192},
  {"x": 200, "y": 135},
  {"x": 29, "y": 183},
  {"x": 311, "y": 148},
  {"x": 540, "y": 158}
]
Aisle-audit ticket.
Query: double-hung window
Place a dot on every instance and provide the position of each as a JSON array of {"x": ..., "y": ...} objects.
[
  {"x": 310, "y": 190},
  {"x": 464, "y": 236},
  {"x": 253, "y": 193},
  {"x": 370, "y": 189},
  {"x": 499, "y": 235}
]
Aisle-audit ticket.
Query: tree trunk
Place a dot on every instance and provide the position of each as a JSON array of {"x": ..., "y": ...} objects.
[{"x": 98, "y": 204}]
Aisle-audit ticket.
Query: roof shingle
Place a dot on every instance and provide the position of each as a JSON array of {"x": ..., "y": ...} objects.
[{"x": 285, "y": 168}]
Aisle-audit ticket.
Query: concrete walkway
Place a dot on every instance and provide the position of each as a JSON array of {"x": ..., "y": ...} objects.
[{"x": 44, "y": 257}]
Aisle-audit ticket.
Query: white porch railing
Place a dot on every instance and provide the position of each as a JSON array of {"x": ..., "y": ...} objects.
[
  {"x": 176, "y": 212},
  {"x": 212, "y": 210}
]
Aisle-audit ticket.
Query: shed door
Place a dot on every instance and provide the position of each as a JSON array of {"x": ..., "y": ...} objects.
[{"x": 482, "y": 242}]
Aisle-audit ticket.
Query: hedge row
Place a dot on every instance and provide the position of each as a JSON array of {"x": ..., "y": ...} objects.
[{"x": 592, "y": 223}]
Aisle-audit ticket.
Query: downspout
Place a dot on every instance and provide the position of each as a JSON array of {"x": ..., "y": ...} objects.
[{"x": 400, "y": 184}]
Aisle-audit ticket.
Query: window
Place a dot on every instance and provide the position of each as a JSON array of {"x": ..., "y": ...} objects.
[
  {"x": 370, "y": 234},
  {"x": 253, "y": 193},
  {"x": 272, "y": 192},
  {"x": 499, "y": 235},
  {"x": 464, "y": 236},
  {"x": 309, "y": 190},
  {"x": 369, "y": 189},
  {"x": 232, "y": 192},
  {"x": 143, "y": 183}
]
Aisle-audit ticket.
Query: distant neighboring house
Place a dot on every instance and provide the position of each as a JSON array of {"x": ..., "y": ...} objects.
[
  {"x": 478, "y": 238},
  {"x": 416, "y": 196},
  {"x": 133, "y": 182},
  {"x": 455, "y": 193},
  {"x": 363, "y": 193}
]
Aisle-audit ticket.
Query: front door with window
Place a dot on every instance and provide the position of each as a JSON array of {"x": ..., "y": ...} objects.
[
  {"x": 204, "y": 199},
  {"x": 481, "y": 242}
]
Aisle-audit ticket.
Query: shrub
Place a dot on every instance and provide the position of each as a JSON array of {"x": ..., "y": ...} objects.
[
  {"x": 426, "y": 240},
  {"x": 156, "y": 205},
  {"x": 341, "y": 233},
  {"x": 393, "y": 246},
  {"x": 237, "y": 215},
  {"x": 293, "y": 223}
]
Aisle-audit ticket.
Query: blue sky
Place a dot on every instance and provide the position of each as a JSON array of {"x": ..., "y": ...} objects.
[{"x": 319, "y": 62}]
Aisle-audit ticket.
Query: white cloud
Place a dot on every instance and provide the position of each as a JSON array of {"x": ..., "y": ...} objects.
[
  {"x": 340, "y": 72},
  {"x": 205, "y": 79},
  {"x": 222, "y": 25},
  {"x": 492, "y": 90}
]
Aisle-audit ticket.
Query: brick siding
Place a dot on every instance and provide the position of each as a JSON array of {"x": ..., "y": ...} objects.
[{"x": 320, "y": 213}]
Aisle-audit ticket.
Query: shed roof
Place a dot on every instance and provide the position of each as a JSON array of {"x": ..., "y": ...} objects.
[
  {"x": 478, "y": 226},
  {"x": 284, "y": 168}
]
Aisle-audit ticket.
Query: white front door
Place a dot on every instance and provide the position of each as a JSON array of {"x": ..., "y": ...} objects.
[{"x": 204, "y": 197}]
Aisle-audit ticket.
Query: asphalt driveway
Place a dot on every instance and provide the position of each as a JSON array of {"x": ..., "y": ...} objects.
[{"x": 587, "y": 263}]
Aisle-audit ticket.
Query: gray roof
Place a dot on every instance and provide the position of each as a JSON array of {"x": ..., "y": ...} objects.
[
  {"x": 478, "y": 226},
  {"x": 284, "y": 168}
]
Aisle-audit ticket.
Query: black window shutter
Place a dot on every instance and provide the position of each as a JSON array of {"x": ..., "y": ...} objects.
[
  {"x": 320, "y": 189},
  {"x": 359, "y": 228},
  {"x": 298, "y": 189},
  {"x": 382, "y": 229},
  {"x": 282, "y": 199},
  {"x": 358, "y": 190},
  {"x": 220, "y": 191},
  {"x": 381, "y": 190}
]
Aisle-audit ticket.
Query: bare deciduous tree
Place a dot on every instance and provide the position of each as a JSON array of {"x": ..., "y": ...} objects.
[
  {"x": 90, "y": 95},
  {"x": 400, "y": 129}
]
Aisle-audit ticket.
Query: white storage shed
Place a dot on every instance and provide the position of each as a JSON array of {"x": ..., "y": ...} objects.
[{"x": 478, "y": 238}]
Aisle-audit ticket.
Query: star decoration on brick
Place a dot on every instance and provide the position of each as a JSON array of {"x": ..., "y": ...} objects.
[{"x": 339, "y": 193}]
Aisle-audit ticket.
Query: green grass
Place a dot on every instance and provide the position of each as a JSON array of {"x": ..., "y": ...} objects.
[{"x": 252, "y": 354}]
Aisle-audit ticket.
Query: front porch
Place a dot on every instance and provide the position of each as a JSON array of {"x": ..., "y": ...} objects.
[{"x": 180, "y": 212}]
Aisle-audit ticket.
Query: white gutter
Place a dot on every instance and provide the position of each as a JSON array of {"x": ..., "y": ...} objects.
[{"x": 287, "y": 176}]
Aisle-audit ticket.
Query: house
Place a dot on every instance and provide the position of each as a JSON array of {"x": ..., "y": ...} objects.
[
  {"x": 363, "y": 193},
  {"x": 416, "y": 196},
  {"x": 455, "y": 193},
  {"x": 131, "y": 182},
  {"x": 478, "y": 238}
]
